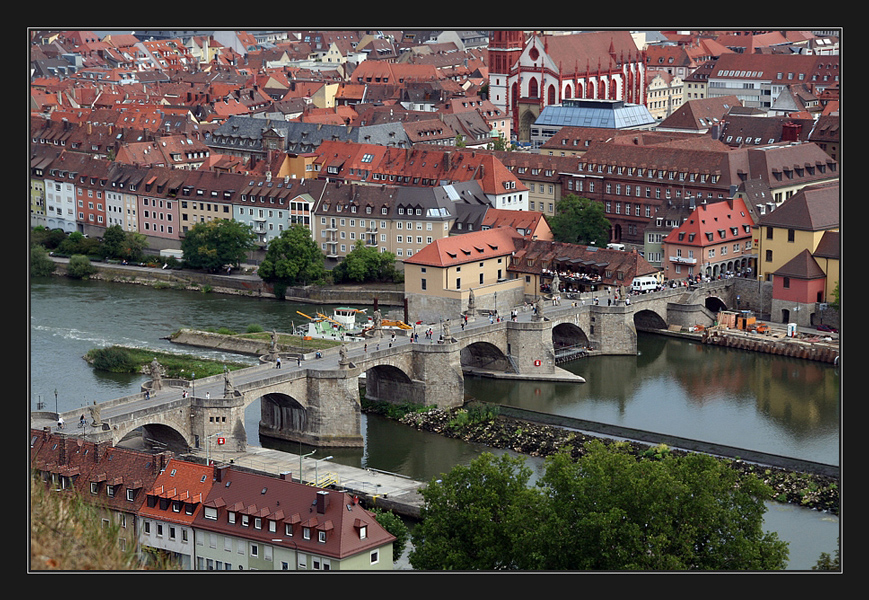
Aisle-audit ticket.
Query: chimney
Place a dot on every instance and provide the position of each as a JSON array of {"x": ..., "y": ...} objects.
[
  {"x": 220, "y": 472},
  {"x": 322, "y": 501},
  {"x": 100, "y": 450},
  {"x": 61, "y": 451},
  {"x": 790, "y": 132}
]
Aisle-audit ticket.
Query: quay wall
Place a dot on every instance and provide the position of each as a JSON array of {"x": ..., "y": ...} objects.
[
  {"x": 783, "y": 346},
  {"x": 242, "y": 285},
  {"x": 649, "y": 437}
]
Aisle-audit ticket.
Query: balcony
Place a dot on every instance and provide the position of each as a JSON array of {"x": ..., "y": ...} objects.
[{"x": 683, "y": 260}]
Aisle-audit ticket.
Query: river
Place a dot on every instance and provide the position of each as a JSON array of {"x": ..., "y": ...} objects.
[{"x": 763, "y": 402}]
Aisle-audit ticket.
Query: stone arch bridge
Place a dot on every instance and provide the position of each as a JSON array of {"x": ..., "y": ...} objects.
[{"x": 318, "y": 402}]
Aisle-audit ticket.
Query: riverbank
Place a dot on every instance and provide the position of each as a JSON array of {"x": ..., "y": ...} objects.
[
  {"x": 818, "y": 492},
  {"x": 243, "y": 283},
  {"x": 804, "y": 344}
]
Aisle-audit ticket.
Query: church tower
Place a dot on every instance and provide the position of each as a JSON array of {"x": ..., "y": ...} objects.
[{"x": 505, "y": 47}]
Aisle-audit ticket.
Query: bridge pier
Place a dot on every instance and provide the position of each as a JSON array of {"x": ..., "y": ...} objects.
[
  {"x": 331, "y": 415},
  {"x": 529, "y": 347},
  {"x": 613, "y": 329}
]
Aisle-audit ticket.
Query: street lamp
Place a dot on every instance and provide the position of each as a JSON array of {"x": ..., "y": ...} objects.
[
  {"x": 316, "y": 469},
  {"x": 193, "y": 377},
  {"x": 301, "y": 456},
  {"x": 208, "y": 446}
]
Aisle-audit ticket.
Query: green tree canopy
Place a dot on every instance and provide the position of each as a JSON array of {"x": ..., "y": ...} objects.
[
  {"x": 580, "y": 221},
  {"x": 607, "y": 510},
  {"x": 293, "y": 258},
  {"x": 40, "y": 263},
  {"x": 77, "y": 243},
  {"x": 365, "y": 263},
  {"x": 471, "y": 518},
  {"x": 127, "y": 245},
  {"x": 214, "y": 244}
]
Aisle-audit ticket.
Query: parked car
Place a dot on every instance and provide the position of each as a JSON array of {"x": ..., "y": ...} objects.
[{"x": 828, "y": 328}]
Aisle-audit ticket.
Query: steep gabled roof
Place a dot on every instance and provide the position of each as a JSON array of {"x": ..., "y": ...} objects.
[
  {"x": 802, "y": 266},
  {"x": 466, "y": 248},
  {"x": 285, "y": 502},
  {"x": 714, "y": 223},
  {"x": 813, "y": 208}
]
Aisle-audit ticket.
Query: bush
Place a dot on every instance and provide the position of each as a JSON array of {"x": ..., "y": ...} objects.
[
  {"x": 40, "y": 263},
  {"x": 114, "y": 360},
  {"x": 254, "y": 328},
  {"x": 80, "y": 267}
]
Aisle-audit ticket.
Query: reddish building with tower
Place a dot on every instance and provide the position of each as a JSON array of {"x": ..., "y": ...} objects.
[{"x": 527, "y": 74}]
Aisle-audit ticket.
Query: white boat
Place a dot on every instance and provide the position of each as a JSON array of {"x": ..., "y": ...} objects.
[{"x": 343, "y": 325}]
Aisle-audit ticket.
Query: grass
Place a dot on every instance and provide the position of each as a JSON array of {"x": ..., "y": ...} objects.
[
  {"x": 118, "y": 359},
  {"x": 67, "y": 534}
]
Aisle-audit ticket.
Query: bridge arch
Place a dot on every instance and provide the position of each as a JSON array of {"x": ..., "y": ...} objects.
[
  {"x": 282, "y": 412},
  {"x": 714, "y": 304},
  {"x": 485, "y": 355},
  {"x": 567, "y": 334},
  {"x": 387, "y": 382},
  {"x": 649, "y": 319},
  {"x": 155, "y": 436}
]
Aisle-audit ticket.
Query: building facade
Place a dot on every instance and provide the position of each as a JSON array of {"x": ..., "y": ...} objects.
[
  {"x": 715, "y": 241},
  {"x": 603, "y": 65}
]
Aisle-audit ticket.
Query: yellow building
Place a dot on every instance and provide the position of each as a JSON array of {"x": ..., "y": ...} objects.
[
  {"x": 441, "y": 279},
  {"x": 801, "y": 223}
]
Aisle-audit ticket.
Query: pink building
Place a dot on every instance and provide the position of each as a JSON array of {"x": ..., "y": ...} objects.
[{"x": 715, "y": 239}]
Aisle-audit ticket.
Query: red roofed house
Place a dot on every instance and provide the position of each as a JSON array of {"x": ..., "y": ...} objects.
[
  {"x": 529, "y": 224},
  {"x": 798, "y": 246},
  {"x": 107, "y": 477},
  {"x": 258, "y": 522},
  {"x": 716, "y": 239},
  {"x": 422, "y": 166},
  {"x": 172, "y": 503},
  {"x": 439, "y": 279}
]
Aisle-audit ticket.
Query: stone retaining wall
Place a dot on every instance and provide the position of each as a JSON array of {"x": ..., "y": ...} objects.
[{"x": 820, "y": 351}]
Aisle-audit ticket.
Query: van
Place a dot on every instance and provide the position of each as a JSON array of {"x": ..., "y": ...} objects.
[
  {"x": 641, "y": 285},
  {"x": 615, "y": 246}
]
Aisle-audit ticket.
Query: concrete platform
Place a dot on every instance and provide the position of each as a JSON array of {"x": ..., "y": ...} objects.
[{"x": 389, "y": 491}]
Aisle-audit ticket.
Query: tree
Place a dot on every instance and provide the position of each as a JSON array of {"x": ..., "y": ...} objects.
[
  {"x": 77, "y": 243},
  {"x": 292, "y": 258},
  {"x": 126, "y": 245},
  {"x": 471, "y": 517},
  {"x": 392, "y": 523},
  {"x": 579, "y": 221},
  {"x": 80, "y": 267},
  {"x": 827, "y": 562},
  {"x": 607, "y": 510},
  {"x": 365, "y": 263},
  {"x": 215, "y": 244},
  {"x": 40, "y": 263}
]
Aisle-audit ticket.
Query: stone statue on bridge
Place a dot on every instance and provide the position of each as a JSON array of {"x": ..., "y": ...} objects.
[
  {"x": 472, "y": 302},
  {"x": 95, "y": 414},
  {"x": 556, "y": 283},
  {"x": 228, "y": 388},
  {"x": 378, "y": 323},
  {"x": 447, "y": 335},
  {"x": 342, "y": 352},
  {"x": 273, "y": 349},
  {"x": 156, "y": 373},
  {"x": 538, "y": 309}
]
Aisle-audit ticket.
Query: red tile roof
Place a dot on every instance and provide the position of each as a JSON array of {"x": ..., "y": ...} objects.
[
  {"x": 288, "y": 503},
  {"x": 466, "y": 248}
]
